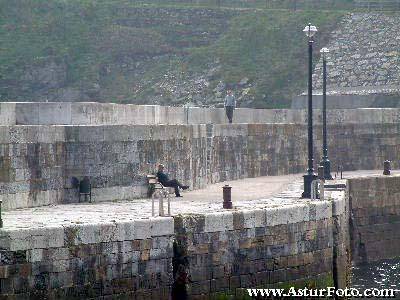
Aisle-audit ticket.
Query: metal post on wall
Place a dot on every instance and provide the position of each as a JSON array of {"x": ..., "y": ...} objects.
[
  {"x": 1, "y": 220},
  {"x": 325, "y": 160},
  {"x": 227, "y": 196},
  {"x": 309, "y": 30},
  {"x": 386, "y": 167}
]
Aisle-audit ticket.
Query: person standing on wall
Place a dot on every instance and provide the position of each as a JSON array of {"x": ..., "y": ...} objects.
[{"x": 230, "y": 104}]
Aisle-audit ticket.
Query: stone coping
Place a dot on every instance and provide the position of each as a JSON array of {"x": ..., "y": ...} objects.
[
  {"x": 47, "y": 227},
  {"x": 270, "y": 192},
  {"x": 92, "y": 113}
]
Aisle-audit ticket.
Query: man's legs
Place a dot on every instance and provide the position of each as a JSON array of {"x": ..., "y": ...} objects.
[
  {"x": 176, "y": 185},
  {"x": 229, "y": 113}
]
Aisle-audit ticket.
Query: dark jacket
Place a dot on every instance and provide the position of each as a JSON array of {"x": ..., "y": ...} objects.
[{"x": 162, "y": 177}]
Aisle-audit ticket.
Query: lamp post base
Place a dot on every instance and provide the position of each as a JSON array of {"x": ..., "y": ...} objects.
[
  {"x": 327, "y": 168},
  {"x": 308, "y": 178}
]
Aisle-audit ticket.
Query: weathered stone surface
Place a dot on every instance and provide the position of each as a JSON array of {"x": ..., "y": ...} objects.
[
  {"x": 375, "y": 217},
  {"x": 39, "y": 162},
  {"x": 224, "y": 251},
  {"x": 263, "y": 246},
  {"x": 356, "y": 63},
  {"x": 90, "y": 113}
]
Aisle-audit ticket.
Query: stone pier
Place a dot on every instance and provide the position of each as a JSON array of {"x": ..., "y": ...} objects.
[
  {"x": 110, "y": 250},
  {"x": 116, "y": 249},
  {"x": 52, "y": 247}
]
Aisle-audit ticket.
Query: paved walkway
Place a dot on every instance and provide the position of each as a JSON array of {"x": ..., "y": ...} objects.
[{"x": 261, "y": 192}]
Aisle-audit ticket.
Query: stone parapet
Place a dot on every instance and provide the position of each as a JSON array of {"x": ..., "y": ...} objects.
[
  {"x": 293, "y": 245},
  {"x": 375, "y": 218},
  {"x": 90, "y": 113},
  {"x": 88, "y": 261},
  {"x": 224, "y": 253},
  {"x": 37, "y": 163}
]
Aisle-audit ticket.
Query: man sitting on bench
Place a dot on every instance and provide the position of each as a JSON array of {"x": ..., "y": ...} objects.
[{"x": 164, "y": 180}]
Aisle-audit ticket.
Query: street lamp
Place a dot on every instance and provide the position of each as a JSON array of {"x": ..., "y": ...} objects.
[
  {"x": 325, "y": 161},
  {"x": 309, "y": 31}
]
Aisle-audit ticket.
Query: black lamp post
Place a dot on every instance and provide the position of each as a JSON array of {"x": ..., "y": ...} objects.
[
  {"x": 325, "y": 161},
  {"x": 1, "y": 220},
  {"x": 309, "y": 30}
]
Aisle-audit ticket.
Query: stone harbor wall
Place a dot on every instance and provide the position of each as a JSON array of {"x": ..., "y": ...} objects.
[
  {"x": 8, "y": 113},
  {"x": 349, "y": 101},
  {"x": 257, "y": 150},
  {"x": 90, "y": 113},
  {"x": 277, "y": 247},
  {"x": 38, "y": 163},
  {"x": 375, "y": 222},
  {"x": 97, "y": 261},
  {"x": 360, "y": 147},
  {"x": 223, "y": 252},
  {"x": 118, "y": 158},
  {"x": 253, "y": 150},
  {"x": 307, "y": 244},
  {"x": 32, "y": 161}
]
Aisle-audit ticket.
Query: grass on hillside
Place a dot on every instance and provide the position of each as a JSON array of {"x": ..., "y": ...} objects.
[
  {"x": 88, "y": 39},
  {"x": 270, "y": 49}
]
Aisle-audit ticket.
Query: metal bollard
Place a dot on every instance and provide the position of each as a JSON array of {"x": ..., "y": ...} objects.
[
  {"x": 161, "y": 195},
  {"x": 339, "y": 169},
  {"x": 227, "y": 195},
  {"x": 314, "y": 189},
  {"x": 386, "y": 167},
  {"x": 321, "y": 173},
  {"x": 161, "y": 205},
  {"x": 317, "y": 185},
  {"x": 321, "y": 177}
]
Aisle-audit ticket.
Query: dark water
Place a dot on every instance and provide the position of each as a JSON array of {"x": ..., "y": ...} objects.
[{"x": 381, "y": 275}]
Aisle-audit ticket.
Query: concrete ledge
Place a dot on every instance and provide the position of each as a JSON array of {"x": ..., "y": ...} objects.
[
  {"x": 25, "y": 199},
  {"x": 7, "y": 113},
  {"x": 91, "y": 113},
  {"x": 375, "y": 208},
  {"x": 220, "y": 221},
  {"x": 221, "y": 247},
  {"x": 83, "y": 234},
  {"x": 92, "y": 233}
]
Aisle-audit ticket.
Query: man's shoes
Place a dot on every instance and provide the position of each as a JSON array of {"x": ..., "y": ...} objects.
[
  {"x": 185, "y": 187},
  {"x": 178, "y": 196}
]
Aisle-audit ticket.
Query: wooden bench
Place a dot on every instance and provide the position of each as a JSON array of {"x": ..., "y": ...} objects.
[{"x": 160, "y": 192}]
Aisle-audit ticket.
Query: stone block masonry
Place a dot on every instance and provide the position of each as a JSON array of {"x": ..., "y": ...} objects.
[
  {"x": 375, "y": 219},
  {"x": 252, "y": 150},
  {"x": 90, "y": 113},
  {"x": 293, "y": 245},
  {"x": 305, "y": 243},
  {"x": 106, "y": 260},
  {"x": 226, "y": 251},
  {"x": 37, "y": 162}
]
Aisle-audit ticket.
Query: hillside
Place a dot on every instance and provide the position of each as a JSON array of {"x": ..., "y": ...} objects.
[{"x": 119, "y": 51}]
